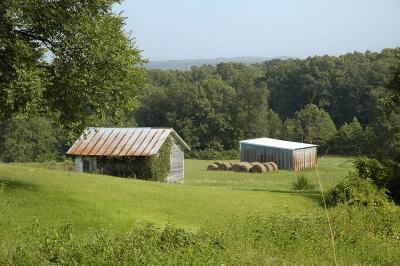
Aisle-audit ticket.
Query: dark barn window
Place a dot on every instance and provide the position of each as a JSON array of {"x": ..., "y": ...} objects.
[{"x": 85, "y": 165}]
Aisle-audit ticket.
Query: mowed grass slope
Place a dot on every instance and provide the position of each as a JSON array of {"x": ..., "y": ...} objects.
[{"x": 95, "y": 201}]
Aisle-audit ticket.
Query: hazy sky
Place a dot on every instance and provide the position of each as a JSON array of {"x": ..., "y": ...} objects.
[{"x": 183, "y": 29}]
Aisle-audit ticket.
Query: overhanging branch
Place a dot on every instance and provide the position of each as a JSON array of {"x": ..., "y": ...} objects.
[{"x": 46, "y": 42}]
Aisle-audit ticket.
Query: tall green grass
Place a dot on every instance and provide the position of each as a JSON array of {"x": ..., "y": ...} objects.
[
  {"x": 214, "y": 218},
  {"x": 363, "y": 236}
]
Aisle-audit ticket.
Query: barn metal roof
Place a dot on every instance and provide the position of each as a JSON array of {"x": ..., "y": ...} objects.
[
  {"x": 142, "y": 141},
  {"x": 277, "y": 143}
]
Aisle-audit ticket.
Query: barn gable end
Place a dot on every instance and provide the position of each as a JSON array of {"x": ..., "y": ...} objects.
[{"x": 176, "y": 163}]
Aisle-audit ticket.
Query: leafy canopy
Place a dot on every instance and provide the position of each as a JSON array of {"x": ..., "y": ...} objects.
[
  {"x": 384, "y": 140},
  {"x": 311, "y": 125},
  {"x": 35, "y": 140},
  {"x": 70, "y": 60},
  {"x": 350, "y": 138},
  {"x": 212, "y": 108}
]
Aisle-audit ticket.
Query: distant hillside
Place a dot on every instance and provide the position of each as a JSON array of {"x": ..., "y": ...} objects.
[{"x": 186, "y": 64}]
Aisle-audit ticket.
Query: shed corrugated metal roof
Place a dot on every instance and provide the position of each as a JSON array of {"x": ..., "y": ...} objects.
[
  {"x": 277, "y": 143},
  {"x": 142, "y": 141}
]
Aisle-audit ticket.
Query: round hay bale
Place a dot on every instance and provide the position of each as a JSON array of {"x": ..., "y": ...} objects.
[
  {"x": 245, "y": 167},
  {"x": 258, "y": 168},
  {"x": 236, "y": 167},
  {"x": 274, "y": 165},
  {"x": 217, "y": 163},
  {"x": 268, "y": 167},
  {"x": 212, "y": 167},
  {"x": 225, "y": 166}
]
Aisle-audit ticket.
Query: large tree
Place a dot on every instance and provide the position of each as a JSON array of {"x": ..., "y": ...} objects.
[
  {"x": 312, "y": 125},
  {"x": 273, "y": 127},
  {"x": 252, "y": 94},
  {"x": 70, "y": 60},
  {"x": 384, "y": 139},
  {"x": 350, "y": 139}
]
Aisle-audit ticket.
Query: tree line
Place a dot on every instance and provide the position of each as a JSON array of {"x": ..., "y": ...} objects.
[
  {"x": 334, "y": 102},
  {"x": 327, "y": 100}
]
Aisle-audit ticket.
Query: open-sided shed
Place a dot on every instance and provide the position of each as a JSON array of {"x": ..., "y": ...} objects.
[
  {"x": 286, "y": 154},
  {"x": 145, "y": 153}
]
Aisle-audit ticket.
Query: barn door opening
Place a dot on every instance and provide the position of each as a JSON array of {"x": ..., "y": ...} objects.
[{"x": 85, "y": 165}]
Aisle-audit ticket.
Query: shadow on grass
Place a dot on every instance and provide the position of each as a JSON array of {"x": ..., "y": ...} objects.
[
  {"x": 17, "y": 185},
  {"x": 314, "y": 195}
]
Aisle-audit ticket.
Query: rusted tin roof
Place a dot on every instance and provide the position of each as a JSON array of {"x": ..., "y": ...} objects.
[{"x": 142, "y": 141}]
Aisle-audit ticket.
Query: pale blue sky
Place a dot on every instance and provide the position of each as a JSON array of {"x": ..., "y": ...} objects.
[{"x": 189, "y": 29}]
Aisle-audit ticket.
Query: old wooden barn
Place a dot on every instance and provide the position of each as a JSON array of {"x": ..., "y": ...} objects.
[
  {"x": 144, "y": 153},
  {"x": 286, "y": 154}
]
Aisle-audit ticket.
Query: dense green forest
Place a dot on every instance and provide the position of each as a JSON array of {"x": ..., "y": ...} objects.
[
  {"x": 325, "y": 100},
  {"x": 335, "y": 102}
]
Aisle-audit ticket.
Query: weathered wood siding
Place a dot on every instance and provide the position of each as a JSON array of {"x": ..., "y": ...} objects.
[
  {"x": 92, "y": 164},
  {"x": 285, "y": 158},
  {"x": 177, "y": 164},
  {"x": 304, "y": 158},
  {"x": 87, "y": 164},
  {"x": 78, "y": 164}
]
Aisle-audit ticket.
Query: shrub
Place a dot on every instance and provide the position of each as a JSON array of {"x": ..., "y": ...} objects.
[
  {"x": 357, "y": 191},
  {"x": 372, "y": 170},
  {"x": 369, "y": 236},
  {"x": 155, "y": 168},
  {"x": 384, "y": 173},
  {"x": 303, "y": 183},
  {"x": 3, "y": 185},
  {"x": 145, "y": 245}
]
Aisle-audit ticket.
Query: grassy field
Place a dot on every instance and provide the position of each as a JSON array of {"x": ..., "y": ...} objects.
[
  {"x": 332, "y": 169},
  {"x": 230, "y": 218},
  {"x": 91, "y": 201}
]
